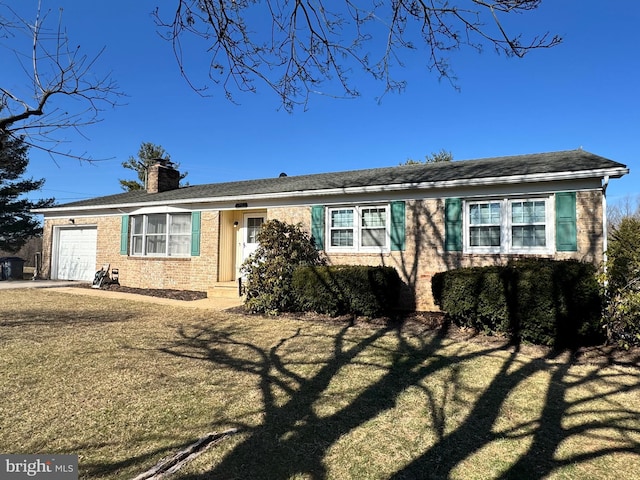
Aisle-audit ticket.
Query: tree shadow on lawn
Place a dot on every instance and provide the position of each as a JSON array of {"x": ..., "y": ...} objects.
[
  {"x": 59, "y": 317},
  {"x": 99, "y": 469},
  {"x": 294, "y": 440},
  {"x": 546, "y": 433}
]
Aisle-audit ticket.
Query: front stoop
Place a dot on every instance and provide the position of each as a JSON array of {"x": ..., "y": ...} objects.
[{"x": 224, "y": 290}]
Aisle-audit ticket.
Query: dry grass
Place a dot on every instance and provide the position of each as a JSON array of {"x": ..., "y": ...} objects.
[{"x": 123, "y": 384}]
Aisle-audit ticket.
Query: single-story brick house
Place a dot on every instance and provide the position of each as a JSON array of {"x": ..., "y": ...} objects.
[{"x": 420, "y": 219}]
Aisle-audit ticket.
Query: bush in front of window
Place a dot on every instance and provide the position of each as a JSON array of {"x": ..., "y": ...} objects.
[
  {"x": 269, "y": 270},
  {"x": 540, "y": 301},
  {"x": 473, "y": 297},
  {"x": 352, "y": 290}
]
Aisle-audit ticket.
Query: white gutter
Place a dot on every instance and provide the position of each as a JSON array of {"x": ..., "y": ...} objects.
[
  {"x": 513, "y": 179},
  {"x": 605, "y": 241}
]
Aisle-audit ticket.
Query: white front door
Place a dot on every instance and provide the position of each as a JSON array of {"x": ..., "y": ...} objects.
[{"x": 252, "y": 224}]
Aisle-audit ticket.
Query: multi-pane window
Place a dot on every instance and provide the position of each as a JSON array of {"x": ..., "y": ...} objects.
[
  {"x": 341, "y": 228},
  {"x": 160, "y": 234},
  {"x": 508, "y": 225},
  {"x": 528, "y": 223},
  {"x": 254, "y": 224},
  {"x": 484, "y": 221},
  {"x": 374, "y": 227},
  {"x": 358, "y": 228}
]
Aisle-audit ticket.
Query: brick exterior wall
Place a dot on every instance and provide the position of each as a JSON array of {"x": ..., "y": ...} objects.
[
  {"x": 423, "y": 257},
  {"x": 425, "y": 254},
  {"x": 292, "y": 215},
  {"x": 191, "y": 273},
  {"x": 162, "y": 177}
]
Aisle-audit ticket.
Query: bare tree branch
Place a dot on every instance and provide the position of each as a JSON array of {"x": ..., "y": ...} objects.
[
  {"x": 67, "y": 94},
  {"x": 314, "y": 46}
]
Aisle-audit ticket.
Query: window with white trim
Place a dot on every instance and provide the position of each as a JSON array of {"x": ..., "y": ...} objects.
[
  {"x": 161, "y": 234},
  {"x": 484, "y": 224},
  {"x": 509, "y": 225},
  {"x": 358, "y": 228},
  {"x": 528, "y": 224}
]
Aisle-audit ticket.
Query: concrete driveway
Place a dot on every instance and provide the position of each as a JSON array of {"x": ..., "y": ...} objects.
[{"x": 10, "y": 284}]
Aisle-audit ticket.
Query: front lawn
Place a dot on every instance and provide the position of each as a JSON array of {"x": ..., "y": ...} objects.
[{"x": 123, "y": 384}]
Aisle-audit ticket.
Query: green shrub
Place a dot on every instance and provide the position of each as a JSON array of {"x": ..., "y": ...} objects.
[
  {"x": 624, "y": 253},
  {"x": 542, "y": 301},
  {"x": 621, "y": 315},
  {"x": 316, "y": 291},
  {"x": 622, "y": 319},
  {"x": 269, "y": 270},
  {"x": 338, "y": 290},
  {"x": 474, "y": 297}
]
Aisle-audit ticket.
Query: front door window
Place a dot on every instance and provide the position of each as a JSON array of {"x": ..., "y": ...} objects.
[
  {"x": 253, "y": 228},
  {"x": 252, "y": 225}
]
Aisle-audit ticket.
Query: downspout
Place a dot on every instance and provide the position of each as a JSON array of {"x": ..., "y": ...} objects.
[
  {"x": 605, "y": 240},
  {"x": 37, "y": 262}
]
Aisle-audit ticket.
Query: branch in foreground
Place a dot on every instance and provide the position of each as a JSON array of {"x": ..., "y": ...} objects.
[
  {"x": 66, "y": 93},
  {"x": 315, "y": 46}
]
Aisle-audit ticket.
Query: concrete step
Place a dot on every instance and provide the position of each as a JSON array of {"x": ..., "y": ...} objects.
[{"x": 224, "y": 290}]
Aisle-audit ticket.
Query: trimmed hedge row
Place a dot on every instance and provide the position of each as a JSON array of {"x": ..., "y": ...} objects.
[
  {"x": 339, "y": 290},
  {"x": 542, "y": 301}
]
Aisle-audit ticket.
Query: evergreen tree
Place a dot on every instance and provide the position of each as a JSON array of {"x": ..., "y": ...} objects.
[
  {"x": 624, "y": 253},
  {"x": 17, "y": 223},
  {"x": 147, "y": 156}
]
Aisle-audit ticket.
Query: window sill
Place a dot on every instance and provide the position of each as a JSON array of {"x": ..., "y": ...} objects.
[
  {"x": 161, "y": 258},
  {"x": 350, "y": 251},
  {"x": 487, "y": 251}
]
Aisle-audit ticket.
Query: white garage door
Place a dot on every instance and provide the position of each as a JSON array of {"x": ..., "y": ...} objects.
[{"x": 77, "y": 253}]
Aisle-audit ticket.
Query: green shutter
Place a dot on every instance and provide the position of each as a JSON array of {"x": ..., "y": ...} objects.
[
  {"x": 453, "y": 225},
  {"x": 566, "y": 228},
  {"x": 195, "y": 234},
  {"x": 397, "y": 226},
  {"x": 124, "y": 235},
  {"x": 317, "y": 226}
]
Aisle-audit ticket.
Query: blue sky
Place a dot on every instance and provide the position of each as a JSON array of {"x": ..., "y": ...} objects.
[{"x": 583, "y": 93}]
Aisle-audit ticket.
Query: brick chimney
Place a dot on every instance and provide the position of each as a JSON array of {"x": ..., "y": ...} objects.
[{"x": 162, "y": 176}]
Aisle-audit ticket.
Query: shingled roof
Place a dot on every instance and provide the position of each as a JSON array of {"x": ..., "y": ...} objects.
[{"x": 570, "y": 162}]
